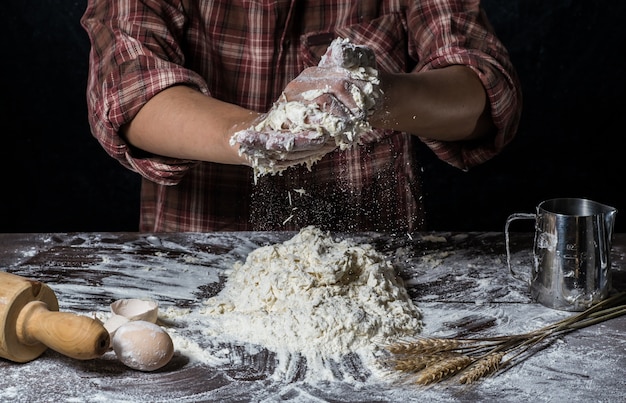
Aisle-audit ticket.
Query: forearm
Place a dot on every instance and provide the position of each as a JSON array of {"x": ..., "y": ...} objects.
[
  {"x": 447, "y": 104},
  {"x": 181, "y": 122}
]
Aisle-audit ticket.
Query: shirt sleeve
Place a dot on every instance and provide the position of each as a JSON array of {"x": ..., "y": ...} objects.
[
  {"x": 455, "y": 32},
  {"x": 134, "y": 55}
]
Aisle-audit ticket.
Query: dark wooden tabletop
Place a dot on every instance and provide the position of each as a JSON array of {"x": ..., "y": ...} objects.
[{"x": 460, "y": 282}]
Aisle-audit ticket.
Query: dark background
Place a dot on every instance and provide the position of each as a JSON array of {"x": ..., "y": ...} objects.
[{"x": 570, "y": 55}]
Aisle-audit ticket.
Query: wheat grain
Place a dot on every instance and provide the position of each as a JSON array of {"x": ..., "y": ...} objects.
[
  {"x": 443, "y": 369},
  {"x": 424, "y": 346},
  {"x": 416, "y": 363},
  {"x": 481, "y": 368}
]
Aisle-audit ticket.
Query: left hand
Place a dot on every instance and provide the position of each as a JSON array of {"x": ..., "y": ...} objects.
[{"x": 317, "y": 84}]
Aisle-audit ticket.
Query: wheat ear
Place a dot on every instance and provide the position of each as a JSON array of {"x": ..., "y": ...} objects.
[
  {"x": 443, "y": 369},
  {"x": 416, "y": 363},
  {"x": 424, "y": 346},
  {"x": 481, "y": 368}
]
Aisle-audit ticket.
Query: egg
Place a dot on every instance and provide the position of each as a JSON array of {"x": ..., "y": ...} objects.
[
  {"x": 114, "y": 323},
  {"x": 142, "y": 345},
  {"x": 136, "y": 309}
]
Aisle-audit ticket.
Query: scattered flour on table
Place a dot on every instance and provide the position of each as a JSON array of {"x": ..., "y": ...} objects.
[{"x": 315, "y": 297}]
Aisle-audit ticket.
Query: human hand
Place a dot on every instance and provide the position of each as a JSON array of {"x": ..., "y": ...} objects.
[
  {"x": 346, "y": 72},
  {"x": 325, "y": 107},
  {"x": 272, "y": 152},
  {"x": 294, "y": 133},
  {"x": 332, "y": 85}
]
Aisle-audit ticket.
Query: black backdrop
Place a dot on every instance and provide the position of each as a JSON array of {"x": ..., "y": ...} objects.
[{"x": 570, "y": 55}]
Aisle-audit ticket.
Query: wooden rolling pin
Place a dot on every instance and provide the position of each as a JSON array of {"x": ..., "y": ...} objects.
[{"x": 30, "y": 323}]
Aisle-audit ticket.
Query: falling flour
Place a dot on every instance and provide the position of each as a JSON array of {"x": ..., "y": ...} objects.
[{"x": 314, "y": 297}]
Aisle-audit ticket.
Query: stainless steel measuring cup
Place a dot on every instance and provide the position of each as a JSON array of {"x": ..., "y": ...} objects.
[{"x": 571, "y": 253}]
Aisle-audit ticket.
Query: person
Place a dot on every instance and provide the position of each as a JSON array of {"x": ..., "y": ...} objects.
[{"x": 172, "y": 81}]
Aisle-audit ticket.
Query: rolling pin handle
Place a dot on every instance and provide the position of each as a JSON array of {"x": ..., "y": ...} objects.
[{"x": 72, "y": 335}]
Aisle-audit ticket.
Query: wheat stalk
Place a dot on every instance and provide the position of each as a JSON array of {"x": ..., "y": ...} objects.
[{"x": 433, "y": 360}]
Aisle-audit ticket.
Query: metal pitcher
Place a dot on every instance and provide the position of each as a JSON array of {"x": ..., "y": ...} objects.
[{"x": 571, "y": 253}]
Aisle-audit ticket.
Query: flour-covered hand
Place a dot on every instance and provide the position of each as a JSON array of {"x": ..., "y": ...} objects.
[
  {"x": 293, "y": 133},
  {"x": 324, "y": 108},
  {"x": 320, "y": 84}
]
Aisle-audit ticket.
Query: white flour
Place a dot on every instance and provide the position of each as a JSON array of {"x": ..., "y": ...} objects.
[{"x": 314, "y": 297}]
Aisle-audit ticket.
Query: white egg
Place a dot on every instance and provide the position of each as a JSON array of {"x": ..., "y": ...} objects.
[
  {"x": 114, "y": 323},
  {"x": 142, "y": 345},
  {"x": 136, "y": 309}
]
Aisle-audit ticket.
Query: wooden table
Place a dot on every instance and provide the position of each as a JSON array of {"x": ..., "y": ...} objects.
[{"x": 460, "y": 281}]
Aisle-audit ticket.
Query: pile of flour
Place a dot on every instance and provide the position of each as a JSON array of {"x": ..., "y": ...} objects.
[
  {"x": 314, "y": 297},
  {"x": 287, "y": 118}
]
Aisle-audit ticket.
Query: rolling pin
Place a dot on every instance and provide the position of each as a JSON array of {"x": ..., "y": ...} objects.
[{"x": 30, "y": 323}]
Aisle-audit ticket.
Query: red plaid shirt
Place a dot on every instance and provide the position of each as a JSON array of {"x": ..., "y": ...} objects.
[{"x": 245, "y": 52}]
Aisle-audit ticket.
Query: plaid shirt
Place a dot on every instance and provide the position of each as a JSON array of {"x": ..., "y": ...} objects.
[{"x": 245, "y": 52}]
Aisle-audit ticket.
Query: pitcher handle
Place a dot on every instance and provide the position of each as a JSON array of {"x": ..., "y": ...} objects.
[{"x": 511, "y": 218}]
